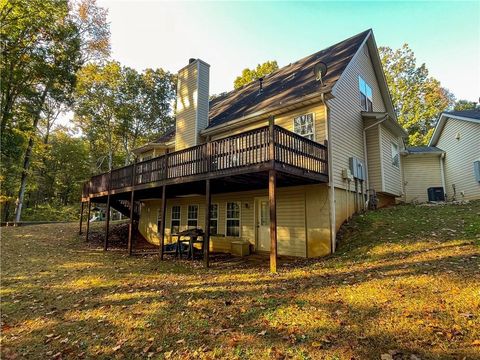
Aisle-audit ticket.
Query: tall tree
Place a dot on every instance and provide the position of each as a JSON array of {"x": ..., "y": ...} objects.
[
  {"x": 418, "y": 98},
  {"x": 464, "y": 105},
  {"x": 249, "y": 75},
  {"x": 42, "y": 42}
]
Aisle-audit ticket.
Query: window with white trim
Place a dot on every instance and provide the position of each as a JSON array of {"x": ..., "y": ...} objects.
[
  {"x": 395, "y": 155},
  {"x": 213, "y": 219},
  {"x": 175, "y": 223},
  {"x": 304, "y": 125},
  {"x": 192, "y": 217},
  {"x": 366, "y": 98},
  {"x": 233, "y": 219}
]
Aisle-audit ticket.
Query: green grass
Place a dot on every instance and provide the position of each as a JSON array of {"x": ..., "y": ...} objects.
[{"x": 405, "y": 278}]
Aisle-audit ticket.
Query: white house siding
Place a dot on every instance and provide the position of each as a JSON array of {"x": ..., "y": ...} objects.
[
  {"x": 345, "y": 113},
  {"x": 392, "y": 178},
  {"x": 459, "y": 158},
  {"x": 420, "y": 172}
]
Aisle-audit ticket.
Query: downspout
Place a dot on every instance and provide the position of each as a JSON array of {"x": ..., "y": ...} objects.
[
  {"x": 331, "y": 185},
  {"x": 365, "y": 155},
  {"x": 442, "y": 174}
]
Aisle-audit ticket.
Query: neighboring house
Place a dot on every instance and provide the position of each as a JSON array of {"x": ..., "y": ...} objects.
[
  {"x": 283, "y": 161},
  {"x": 452, "y": 160}
]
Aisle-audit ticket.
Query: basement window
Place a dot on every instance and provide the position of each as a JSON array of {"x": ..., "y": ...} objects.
[
  {"x": 175, "y": 226},
  {"x": 304, "y": 125},
  {"x": 366, "y": 99},
  {"x": 233, "y": 219},
  {"x": 214, "y": 219},
  {"x": 192, "y": 218},
  {"x": 395, "y": 155}
]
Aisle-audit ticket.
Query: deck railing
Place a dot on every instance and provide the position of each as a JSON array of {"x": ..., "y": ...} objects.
[{"x": 219, "y": 156}]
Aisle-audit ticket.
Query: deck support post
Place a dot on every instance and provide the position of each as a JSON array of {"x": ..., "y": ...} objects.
[
  {"x": 81, "y": 218},
  {"x": 107, "y": 224},
  {"x": 107, "y": 220},
  {"x": 206, "y": 237},
  {"x": 272, "y": 198},
  {"x": 130, "y": 224},
  {"x": 132, "y": 211},
  {"x": 162, "y": 224},
  {"x": 88, "y": 219}
]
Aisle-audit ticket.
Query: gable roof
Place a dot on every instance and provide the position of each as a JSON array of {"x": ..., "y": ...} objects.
[
  {"x": 289, "y": 83},
  {"x": 464, "y": 115},
  {"x": 293, "y": 82}
]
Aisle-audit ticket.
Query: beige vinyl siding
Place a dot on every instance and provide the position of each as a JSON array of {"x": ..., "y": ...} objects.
[
  {"x": 374, "y": 160},
  {"x": 186, "y": 107},
  {"x": 317, "y": 209},
  {"x": 286, "y": 121},
  {"x": 203, "y": 97},
  {"x": 292, "y": 219},
  {"x": 459, "y": 158},
  {"x": 420, "y": 172},
  {"x": 392, "y": 178},
  {"x": 345, "y": 113}
]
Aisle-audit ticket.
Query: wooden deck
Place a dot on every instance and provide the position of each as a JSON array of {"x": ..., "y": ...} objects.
[{"x": 238, "y": 155}]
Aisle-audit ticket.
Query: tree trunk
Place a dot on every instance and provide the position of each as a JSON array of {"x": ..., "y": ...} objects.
[{"x": 26, "y": 162}]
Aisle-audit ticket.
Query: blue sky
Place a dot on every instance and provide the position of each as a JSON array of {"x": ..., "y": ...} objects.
[{"x": 233, "y": 35}]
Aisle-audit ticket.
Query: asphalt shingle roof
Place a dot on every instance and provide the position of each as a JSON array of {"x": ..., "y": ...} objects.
[
  {"x": 283, "y": 85},
  {"x": 474, "y": 114},
  {"x": 423, "y": 149},
  {"x": 288, "y": 83}
]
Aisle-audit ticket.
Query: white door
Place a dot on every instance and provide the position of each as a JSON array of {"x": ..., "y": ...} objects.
[{"x": 263, "y": 224}]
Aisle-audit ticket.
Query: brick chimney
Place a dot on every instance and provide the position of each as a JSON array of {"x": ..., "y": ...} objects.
[{"x": 192, "y": 103}]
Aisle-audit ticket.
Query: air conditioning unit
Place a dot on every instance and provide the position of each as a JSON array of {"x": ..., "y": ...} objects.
[
  {"x": 357, "y": 168},
  {"x": 347, "y": 174}
]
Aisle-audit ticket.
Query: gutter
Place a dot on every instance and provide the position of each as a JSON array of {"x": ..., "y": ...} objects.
[
  {"x": 442, "y": 173},
  {"x": 365, "y": 154}
]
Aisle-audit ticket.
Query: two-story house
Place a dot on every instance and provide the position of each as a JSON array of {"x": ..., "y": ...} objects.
[{"x": 279, "y": 164}]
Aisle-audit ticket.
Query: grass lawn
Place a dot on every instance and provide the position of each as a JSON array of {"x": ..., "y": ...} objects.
[{"x": 404, "y": 279}]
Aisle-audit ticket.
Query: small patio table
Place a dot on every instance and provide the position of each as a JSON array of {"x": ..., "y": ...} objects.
[{"x": 189, "y": 237}]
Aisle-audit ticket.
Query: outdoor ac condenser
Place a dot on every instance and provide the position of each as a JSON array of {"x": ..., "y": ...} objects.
[{"x": 357, "y": 168}]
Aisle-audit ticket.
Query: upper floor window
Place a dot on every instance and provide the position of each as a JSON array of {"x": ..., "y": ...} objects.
[
  {"x": 192, "y": 218},
  {"x": 366, "y": 99},
  {"x": 304, "y": 125},
  {"x": 395, "y": 155}
]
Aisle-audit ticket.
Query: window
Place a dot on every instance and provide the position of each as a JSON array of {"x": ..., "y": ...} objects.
[
  {"x": 175, "y": 228},
  {"x": 366, "y": 99},
  {"x": 395, "y": 155},
  {"x": 303, "y": 125},
  {"x": 233, "y": 219},
  {"x": 192, "y": 216},
  {"x": 213, "y": 219}
]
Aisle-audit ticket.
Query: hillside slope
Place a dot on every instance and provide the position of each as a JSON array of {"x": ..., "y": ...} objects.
[{"x": 405, "y": 281}]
